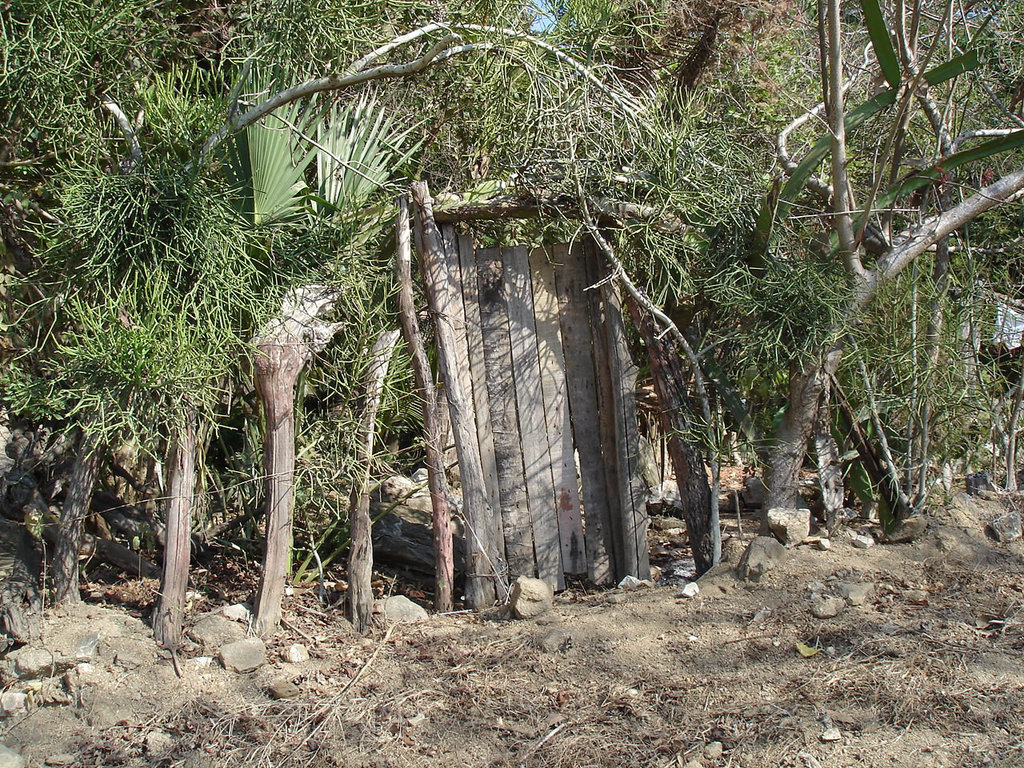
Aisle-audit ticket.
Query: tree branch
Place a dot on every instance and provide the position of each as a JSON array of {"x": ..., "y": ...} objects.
[{"x": 134, "y": 159}]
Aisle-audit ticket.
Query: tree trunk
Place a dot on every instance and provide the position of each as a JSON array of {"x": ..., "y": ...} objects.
[
  {"x": 806, "y": 386},
  {"x": 360, "y": 554},
  {"x": 21, "y": 599},
  {"x": 277, "y": 371},
  {"x": 686, "y": 457},
  {"x": 433, "y": 431},
  {"x": 283, "y": 348},
  {"x": 72, "y": 516},
  {"x": 181, "y": 481}
]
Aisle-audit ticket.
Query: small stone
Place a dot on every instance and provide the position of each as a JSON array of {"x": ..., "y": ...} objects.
[
  {"x": 690, "y": 589},
  {"x": 530, "y": 598},
  {"x": 907, "y": 530},
  {"x": 827, "y": 607},
  {"x": 13, "y": 703},
  {"x": 655, "y": 573},
  {"x": 815, "y": 586},
  {"x": 761, "y": 556},
  {"x": 295, "y": 653},
  {"x": 85, "y": 647},
  {"x": 857, "y": 593},
  {"x": 63, "y": 758},
  {"x": 831, "y": 734},
  {"x": 916, "y": 596},
  {"x": 862, "y": 542},
  {"x": 399, "y": 609},
  {"x": 202, "y": 662},
  {"x": 159, "y": 742},
  {"x": 554, "y": 640},
  {"x": 243, "y": 656},
  {"x": 631, "y": 582},
  {"x": 215, "y": 630},
  {"x": 33, "y": 663},
  {"x": 237, "y": 612},
  {"x": 823, "y": 545},
  {"x": 10, "y": 759},
  {"x": 789, "y": 525},
  {"x": 282, "y": 688},
  {"x": 418, "y": 719},
  {"x": 695, "y": 763},
  {"x": 1006, "y": 527},
  {"x": 713, "y": 750}
]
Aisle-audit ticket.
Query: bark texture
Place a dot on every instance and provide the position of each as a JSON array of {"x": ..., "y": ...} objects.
[
  {"x": 72, "y": 516},
  {"x": 181, "y": 481},
  {"x": 360, "y": 554}
]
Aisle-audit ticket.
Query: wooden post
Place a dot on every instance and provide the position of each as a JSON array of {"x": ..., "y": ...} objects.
[
  {"x": 360, "y": 553},
  {"x": 440, "y": 293},
  {"x": 489, "y": 525},
  {"x": 517, "y": 527},
  {"x": 533, "y": 434},
  {"x": 686, "y": 458},
  {"x": 444, "y": 558},
  {"x": 181, "y": 482},
  {"x": 632, "y": 490},
  {"x": 571, "y": 281},
  {"x": 556, "y": 410}
]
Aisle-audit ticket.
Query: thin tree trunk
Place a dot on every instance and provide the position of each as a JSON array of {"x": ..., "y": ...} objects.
[
  {"x": 181, "y": 480},
  {"x": 806, "y": 386},
  {"x": 277, "y": 371},
  {"x": 481, "y": 574},
  {"x": 687, "y": 461},
  {"x": 283, "y": 349},
  {"x": 72, "y": 516},
  {"x": 433, "y": 433},
  {"x": 360, "y": 553}
]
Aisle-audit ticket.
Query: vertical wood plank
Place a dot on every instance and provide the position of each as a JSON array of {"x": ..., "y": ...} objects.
[
  {"x": 515, "y": 512},
  {"x": 632, "y": 490},
  {"x": 485, "y": 433},
  {"x": 608, "y": 434},
  {"x": 438, "y": 282},
  {"x": 574, "y": 316},
  {"x": 533, "y": 435},
  {"x": 556, "y": 410}
]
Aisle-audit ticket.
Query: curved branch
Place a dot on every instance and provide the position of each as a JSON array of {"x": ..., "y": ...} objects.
[{"x": 134, "y": 149}]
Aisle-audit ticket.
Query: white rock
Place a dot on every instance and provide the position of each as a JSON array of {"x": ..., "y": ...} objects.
[
  {"x": 237, "y": 612},
  {"x": 690, "y": 589},
  {"x": 823, "y": 544},
  {"x": 789, "y": 525},
  {"x": 630, "y": 582},
  {"x": 243, "y": 656},
  {"x": 530, "y": 598},
  {"x": 399, "y": 609},
  {"x": 13, "y": 703},
  {"x": 862, "y": 542},
  {"x": 10, "y": 759},
  {"x": 831, "y": 734},
  {"x": 202, "y": 662},
  {"x": 295, "y": 653}
]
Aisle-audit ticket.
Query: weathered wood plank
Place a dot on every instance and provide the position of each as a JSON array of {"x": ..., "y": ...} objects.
[
  {"x": 438, "y": 282},
  {"x": 533, "y": 433},
  {"x": 515, "y": 513},
  {"x": 632, "y": 490},
  {"x": 490, "y": 527},
  {"x": 574, "y": 315},
  {"x": 556, "y": 409},
  {"x": 607, "y": 431}
]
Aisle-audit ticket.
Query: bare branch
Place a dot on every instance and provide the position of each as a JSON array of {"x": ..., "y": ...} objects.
[{"x": 134, "y": 149}]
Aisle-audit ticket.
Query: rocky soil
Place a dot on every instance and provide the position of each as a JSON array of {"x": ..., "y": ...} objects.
[{"x": 845, "y": 653}]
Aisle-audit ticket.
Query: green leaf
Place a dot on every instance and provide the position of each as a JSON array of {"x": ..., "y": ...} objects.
[
  {"x": 806, "y": 651},
  {"x": 882, "y": 42},
  {"x": 943, "y": 168},
  {"x": 952, "y": 68}
]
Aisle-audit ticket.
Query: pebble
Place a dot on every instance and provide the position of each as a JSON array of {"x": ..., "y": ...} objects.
[
  {"x": 827, "y": 607},
  {"x": 862, "y": 542},
  {"x": 713, "y": 750},
  {"x": 295, "y": 653},
  {"x": 159, "y": 742},
  {"x": 691, "y": 589},
  {"x": 283, "y": 689},
  {"x": 831, "y": 734}
]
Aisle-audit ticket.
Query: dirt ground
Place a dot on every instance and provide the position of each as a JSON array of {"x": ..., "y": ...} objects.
[{"x": 927, "y": 672}]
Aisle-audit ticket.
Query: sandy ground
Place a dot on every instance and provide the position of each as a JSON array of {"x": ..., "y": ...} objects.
[{"x": 927, "y": 672}]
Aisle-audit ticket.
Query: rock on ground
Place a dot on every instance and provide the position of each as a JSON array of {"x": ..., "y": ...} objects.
[
  {"x": 243, "y": 656},
  {"x": 761, "y": 556},
  {"x": 295, "y": 653},
  {"x": 827, "y": 607},
  {"x": 857, "y": 593},
  {"x": 789, "y": 525},
  {"x": 1006, "y": 527},
  {"x": 215, "y": 630},
  {"x": 10, "y": 759},
  {"x": 908, "y": 530},
  {"x": 399, "y": 609},
  {"x": 530, "y": 598}
]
